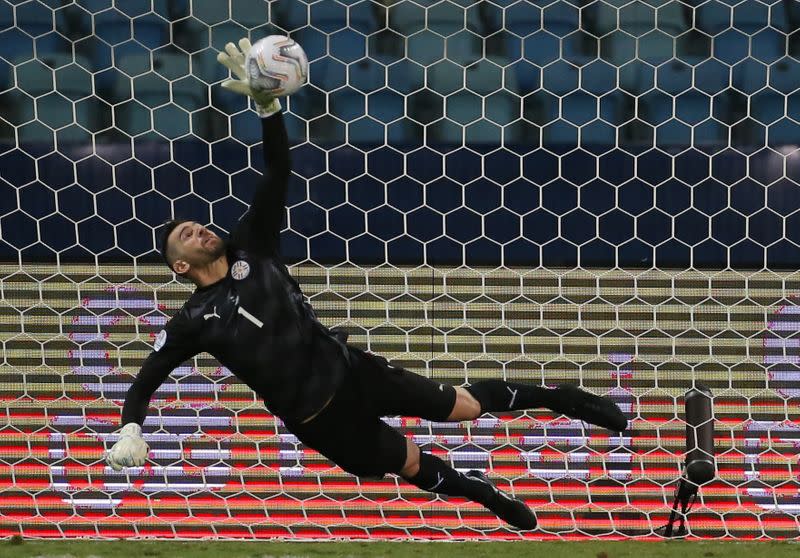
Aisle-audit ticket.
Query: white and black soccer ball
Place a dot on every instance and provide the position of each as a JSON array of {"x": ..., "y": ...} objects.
[{"x": 276, "y": 65}]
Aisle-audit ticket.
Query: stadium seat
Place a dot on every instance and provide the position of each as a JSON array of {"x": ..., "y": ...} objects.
[
  {"x": 34, "y": 25},
  {"x": 692, "y": 107},
  {"x": 406, "y": 18},
  {"x": 750, "y": 16},
  {"x": 783, "y": 132},
  {"x": 768, "y": 107},
  {"x": 712, "y": 17},
  {"x": 331, "y": 17},
  {"x": 386, "y": 105},
  {"x": 151, "y": 31},
  {"x": 768, "y": 45},
  {"x": 54, "y": 101},
  {"x": 251, "y": 14},
  {"x": 445, "y": 77},
  {"x": 366, "y": 75},
  {"x": 226, "y": 32},
  {"x": 463, "y": 108},
  {"x": 618, "y": 48},
  {"x": 290, "y": 16},
  {"x": 211, "y": 12},
  {"x": 561, "y": 19},
  {"x": 347, "y": 104},
  {"x": 749, "y": 75},
  {"x": 164, "y": 84}
]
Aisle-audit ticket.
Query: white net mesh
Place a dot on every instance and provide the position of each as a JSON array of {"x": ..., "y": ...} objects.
[{"x": 481, "y": 190}]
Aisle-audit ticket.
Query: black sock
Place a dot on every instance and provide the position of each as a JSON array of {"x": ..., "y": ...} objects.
[
  {"x": 435, "y": 475},
  {"x": 499, "y": 395}
]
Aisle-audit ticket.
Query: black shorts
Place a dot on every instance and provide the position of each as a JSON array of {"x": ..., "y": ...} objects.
[{"x": 350, "y": 432}]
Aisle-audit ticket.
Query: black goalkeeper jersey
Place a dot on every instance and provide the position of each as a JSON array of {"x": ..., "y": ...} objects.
[{"x": 256, "y": 320}]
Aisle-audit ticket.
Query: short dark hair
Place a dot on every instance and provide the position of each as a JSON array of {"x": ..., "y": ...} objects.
[{"x": 166, "y": 229}]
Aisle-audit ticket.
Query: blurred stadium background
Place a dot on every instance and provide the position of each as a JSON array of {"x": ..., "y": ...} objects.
[{"x": 542, "y": 190}]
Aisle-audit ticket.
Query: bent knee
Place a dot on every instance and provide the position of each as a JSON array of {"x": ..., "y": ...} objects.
[
  {"x": 466, "y": 406},
  {"x": 411, "y": 466}
]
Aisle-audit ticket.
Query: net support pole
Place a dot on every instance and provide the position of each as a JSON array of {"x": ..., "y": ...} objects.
[{"x": 700, "y": 465}]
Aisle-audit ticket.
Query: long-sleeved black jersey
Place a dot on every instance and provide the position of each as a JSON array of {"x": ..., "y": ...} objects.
[{"x": 255, "y": 321}]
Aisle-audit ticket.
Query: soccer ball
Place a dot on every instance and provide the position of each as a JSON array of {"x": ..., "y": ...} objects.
[{"x": 276, "y": 65}]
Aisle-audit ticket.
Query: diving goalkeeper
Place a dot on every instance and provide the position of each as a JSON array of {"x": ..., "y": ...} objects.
[{"x": 250, "y": 314}]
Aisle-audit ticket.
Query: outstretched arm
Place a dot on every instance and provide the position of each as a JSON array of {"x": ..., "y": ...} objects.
[
  {"x": 170, "y": 349},
  {"x": 155, "y": 369},
  {"x": 259, "y": 229}
]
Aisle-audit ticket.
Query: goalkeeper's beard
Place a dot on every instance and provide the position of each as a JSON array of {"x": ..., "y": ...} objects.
[
  {"x": 217, "y": 249},
  {"x": 210, "y": 253}
]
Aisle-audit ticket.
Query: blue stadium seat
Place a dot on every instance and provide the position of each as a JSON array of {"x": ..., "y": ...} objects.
[
  {"x": 599, "y": 18},
  {"x": 750, "y": 16},
  {"x": 674, "y": 77},
  {"x": 712, "y": 76},
  {"x": 463, "y": 108},
  {"x": 768, "y": 107},
  {"x": 783, "y": 132},
  {"x": 671, "y": 19},
  {"x": 692, "y": 107},
  {"x": 365, "y": 130},
  {"x": 446, "y": 19},
  {"x": 486, "y": 76},
  {"x": 445, "y": 77},
  {"x": 579, "y": 107},
  {"x": 313, "y": 41},
  {"x": 151, "y": 31},
  {"x": 655, "y": 108},
  {"x": 290, "y": 16},
  {"x": 155, "y": 88},
  {"x": 523, "y": 18},
  {"x": 713, "y": 17},
  {"x": 406, "y": 18},
  {"x": 655, "y": 47},
  {"x": 54, "y": 110},
  {"x": 785, "y": 17},
  {"x": 562, "y": 20},
  {"x": 251, "y": 14},
  {"x": 768, "y": 45},
  {"x": 327, "y": 74},
  {"x": 347, "y": 104},
  {"x": 386, "y": 105},
  {"x": 366, "y": 75},
  {"x": 425, "y": 48},
  {"x": 211, "y": 12},
  {"x": 328, "y": 17},
  {"x": 618, "y": 48},
  {"x": 597, "y": 133},
  {"x": 749, "y": 76},
  {"x": 673, "y": 133},
  {"x": 34, "y": 24},
  {"x": 560, "y": 78},
  {"x": 226, "y": 32}
]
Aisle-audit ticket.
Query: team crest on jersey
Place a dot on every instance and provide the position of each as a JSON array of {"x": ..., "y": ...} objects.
[
  {"x": 240, "y": 269},
  {"x": 161, "y": 338}
]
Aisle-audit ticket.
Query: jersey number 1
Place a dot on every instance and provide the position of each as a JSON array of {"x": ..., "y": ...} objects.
[{"x": 250, "y": 317}]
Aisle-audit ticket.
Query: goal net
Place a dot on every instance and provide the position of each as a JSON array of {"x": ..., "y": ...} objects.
[{"x": 545, "y": 191}]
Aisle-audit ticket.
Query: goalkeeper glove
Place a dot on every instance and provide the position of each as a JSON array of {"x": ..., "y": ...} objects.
[
  {"x": 130, "y": 450},
  {"x": 233, "y": 58}
]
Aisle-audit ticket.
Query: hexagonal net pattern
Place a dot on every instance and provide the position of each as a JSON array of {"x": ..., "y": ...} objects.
[{"x": 604, "y": 193}]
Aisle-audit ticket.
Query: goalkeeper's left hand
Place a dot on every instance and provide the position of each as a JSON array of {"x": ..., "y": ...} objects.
[
  {"x": 233, "y": 58},
  {"x": 130, "y": 450}
]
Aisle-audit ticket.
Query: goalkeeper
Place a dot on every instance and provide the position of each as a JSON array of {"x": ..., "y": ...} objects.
[{"x": 250, "y": 314}]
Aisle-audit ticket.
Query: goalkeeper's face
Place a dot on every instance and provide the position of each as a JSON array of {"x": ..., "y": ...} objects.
[{"x": 192, "y": 246}]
